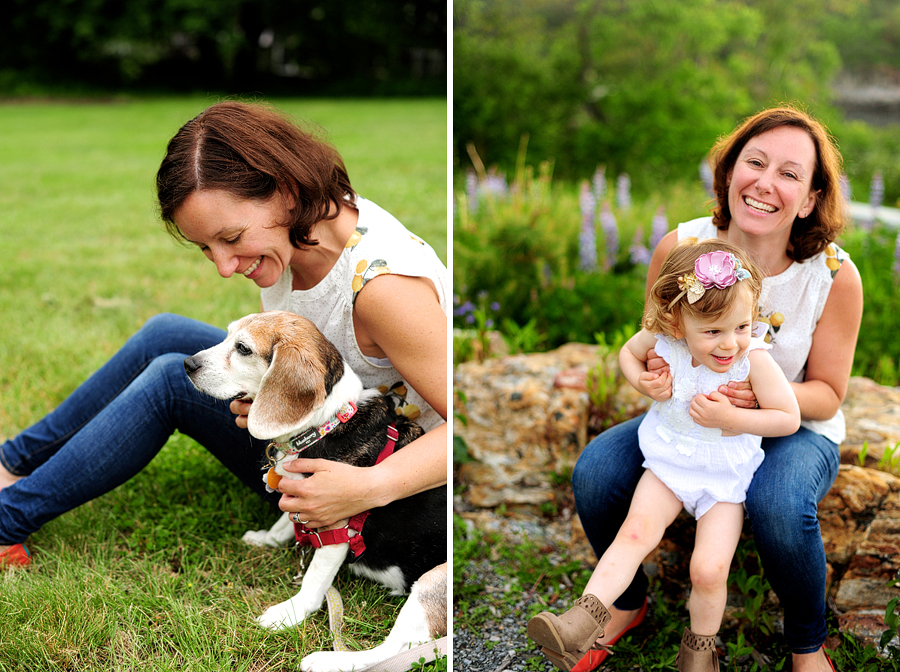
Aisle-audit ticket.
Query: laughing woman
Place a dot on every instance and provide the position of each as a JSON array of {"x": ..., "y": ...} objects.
[{"x": 262, "y": 198}]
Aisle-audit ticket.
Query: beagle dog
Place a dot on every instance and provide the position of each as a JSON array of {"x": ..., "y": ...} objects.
[{"x": 308, "y": 402}]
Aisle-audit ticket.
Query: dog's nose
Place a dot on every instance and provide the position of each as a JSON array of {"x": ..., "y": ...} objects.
[{"x": 191, "y": 364}]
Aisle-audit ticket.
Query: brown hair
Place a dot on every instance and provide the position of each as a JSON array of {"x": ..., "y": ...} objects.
[
  {"x": 810, "y": 235},
  {"x": 254, "y": 152},
  {"x": 661, "y": 316}
]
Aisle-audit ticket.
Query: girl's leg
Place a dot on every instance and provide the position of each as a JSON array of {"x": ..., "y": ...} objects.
[
  {"x": 652, "y": 510},
  {"x": 797, "y": 473},
  {"x": 102, "y": 451},
  {"x": 603, "y": 481},
  {"x": 718, "y": 533}
]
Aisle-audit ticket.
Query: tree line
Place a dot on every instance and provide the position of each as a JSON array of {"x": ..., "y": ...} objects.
[
  {"x": 646, "y": 86},
  {"x": 333, "y": 47}
]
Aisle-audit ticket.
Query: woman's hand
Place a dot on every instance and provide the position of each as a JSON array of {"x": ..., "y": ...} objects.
[
  {"x": 334, "y": 491},
  {"x": 658, "y": 386},
  {"x": 740, "y": 394},
  {"x": 655, "y": 363},
  {"x": 240, "y": 409}
]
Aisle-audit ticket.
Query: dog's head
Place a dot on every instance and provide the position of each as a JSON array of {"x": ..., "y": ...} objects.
[{"x": 280, "y": 361}]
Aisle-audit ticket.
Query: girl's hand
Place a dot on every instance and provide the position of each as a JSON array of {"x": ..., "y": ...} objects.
[
  {"x": 240, "y": 409},
  {"x": 658, "y": 386},
  {"x": 740, "y": 394},
  {"x": 333, "y": 491},
  {"x": 710, "y": 410}
]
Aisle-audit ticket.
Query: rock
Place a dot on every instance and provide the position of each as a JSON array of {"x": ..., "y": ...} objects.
[
  {"x": 527, "y": 420},
  {"x": 872, "y": 412}
]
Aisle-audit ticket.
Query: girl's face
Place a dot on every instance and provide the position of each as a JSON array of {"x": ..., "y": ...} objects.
[
  {"x": 238, "y": 236},
  {"x": 718, "y": 343},
  {"x": 771, "y": 181}
]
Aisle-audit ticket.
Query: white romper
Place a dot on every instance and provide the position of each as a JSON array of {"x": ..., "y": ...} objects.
[{"x": 697, "y": 463}]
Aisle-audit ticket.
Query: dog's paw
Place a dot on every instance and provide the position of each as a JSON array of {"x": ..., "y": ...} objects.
[
  {"x": 259, "y": 538},
  {"x": 284, "y": 615},
  {"x": 333, "y": 661}
]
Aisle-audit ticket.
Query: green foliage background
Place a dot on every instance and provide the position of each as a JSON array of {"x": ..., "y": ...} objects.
[{"x": 645, "y": 87}]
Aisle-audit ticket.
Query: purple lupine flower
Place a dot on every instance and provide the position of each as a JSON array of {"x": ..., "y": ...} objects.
[
  {"x": 599, "y": 183},
  {"x": 660, "y": 227},
  {"x": 495, "y": 306},
  {"x": 587, "y": 240},
  {"x": 706, "y": 177},
  {"x": 623, "y": 192},
  {"x": 495, "y": 184},
  {"x": 846, "y": 191},
  {"x": 876, "y": 195},
  {"x": 610, "y": 234},
  {"x": 472, "y": 190},
  {"x": 464, "y": 309},
  {"x": 896, "y": 267},
  {"x": 639, "y": 252}
]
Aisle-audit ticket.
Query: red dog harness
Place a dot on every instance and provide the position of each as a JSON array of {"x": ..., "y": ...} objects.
[{"x": 341, "y": 535}]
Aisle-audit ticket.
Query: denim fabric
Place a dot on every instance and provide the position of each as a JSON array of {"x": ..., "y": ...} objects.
[
  {"x": 796, "y": 474},
  {"x": 115, "y": 423}
]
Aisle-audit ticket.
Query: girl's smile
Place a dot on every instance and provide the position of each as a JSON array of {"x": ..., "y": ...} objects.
[{"x": 717, "y": 343}]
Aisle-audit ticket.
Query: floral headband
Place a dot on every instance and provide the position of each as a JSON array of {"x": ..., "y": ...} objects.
[{"x": 714, "y": 269}]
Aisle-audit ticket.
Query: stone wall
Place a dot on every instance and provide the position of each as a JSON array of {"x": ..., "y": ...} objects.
[{"x": 528, "y": 418}]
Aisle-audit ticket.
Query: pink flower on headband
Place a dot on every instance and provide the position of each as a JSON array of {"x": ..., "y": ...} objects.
[{"x": 717, "y": 269}]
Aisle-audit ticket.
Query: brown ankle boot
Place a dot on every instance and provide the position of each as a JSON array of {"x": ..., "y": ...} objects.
[
  {"x": 697, "y": 653},
  {"x": 566, "y": 639}
]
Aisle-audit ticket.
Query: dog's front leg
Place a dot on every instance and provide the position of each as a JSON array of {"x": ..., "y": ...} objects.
[
  {"x": 318, "y": 578},
  {"x": 422, "y": 618}
]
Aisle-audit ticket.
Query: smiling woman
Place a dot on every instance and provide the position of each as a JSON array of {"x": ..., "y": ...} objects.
[
  {"x": 300, "y": 232},
  {"x": 778, "y": 199}
]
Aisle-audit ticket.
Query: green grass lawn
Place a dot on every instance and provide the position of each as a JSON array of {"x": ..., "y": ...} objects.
[{"x": 153, "y": 575}]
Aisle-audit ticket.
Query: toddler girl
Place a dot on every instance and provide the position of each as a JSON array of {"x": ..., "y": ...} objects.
[{"x": 700, "y": 452}]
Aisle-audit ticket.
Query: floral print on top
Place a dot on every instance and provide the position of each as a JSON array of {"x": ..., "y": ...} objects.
[{"x": 380, "y": 244}]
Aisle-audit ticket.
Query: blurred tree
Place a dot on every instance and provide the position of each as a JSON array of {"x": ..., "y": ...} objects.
[
  {"x": 641, "y": 86},
  {"x": 353, "y": 47}
]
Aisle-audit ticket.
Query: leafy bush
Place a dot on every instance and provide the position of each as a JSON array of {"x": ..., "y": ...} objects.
[{"x": 518, "y": 249}]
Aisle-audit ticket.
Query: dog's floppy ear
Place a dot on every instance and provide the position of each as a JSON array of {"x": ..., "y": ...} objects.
[{"x": 291, "y": 389}]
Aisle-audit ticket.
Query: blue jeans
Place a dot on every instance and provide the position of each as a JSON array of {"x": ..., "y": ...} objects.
[
  {"x": 781, "y": 504},
  {"x": 115, "y": 423}
]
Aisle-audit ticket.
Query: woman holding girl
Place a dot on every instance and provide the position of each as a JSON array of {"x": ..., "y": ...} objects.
[{"x": 778, "y": 198}]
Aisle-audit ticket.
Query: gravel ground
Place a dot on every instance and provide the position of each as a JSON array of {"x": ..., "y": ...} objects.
[{"x": 501, "y": 644}]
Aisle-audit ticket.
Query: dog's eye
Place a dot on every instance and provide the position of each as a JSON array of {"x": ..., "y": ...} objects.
[{"x": 243, "y": 349}]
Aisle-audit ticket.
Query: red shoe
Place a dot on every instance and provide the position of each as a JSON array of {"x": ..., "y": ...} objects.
[
  {"x": 592, "y": 659},
  {"x": 15, "y": 556}
]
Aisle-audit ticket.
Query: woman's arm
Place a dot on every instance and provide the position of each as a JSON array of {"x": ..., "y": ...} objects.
[
  {"x": 830, "y": 360},
  {"x": 778, "y": 413},
  {"x": 400, "y": 318}
]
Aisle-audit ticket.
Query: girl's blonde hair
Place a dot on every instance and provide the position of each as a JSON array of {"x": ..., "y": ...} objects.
[{"x": 665, "y": 309}]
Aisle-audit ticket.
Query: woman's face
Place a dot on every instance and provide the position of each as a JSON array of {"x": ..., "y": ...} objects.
[
  {"x": 238, "y": 236},
  {"x": 771, "y": 181}
]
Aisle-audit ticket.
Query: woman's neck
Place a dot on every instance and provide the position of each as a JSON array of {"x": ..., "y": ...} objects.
[
  {"x": 768, "y": 252},
  {"x": 311, "y": 264}
]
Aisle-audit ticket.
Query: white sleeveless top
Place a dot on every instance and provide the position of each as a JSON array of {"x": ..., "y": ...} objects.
[
  {"x": 790, "y": 307},
  {"x": 381, "y": 244}
]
